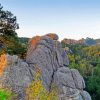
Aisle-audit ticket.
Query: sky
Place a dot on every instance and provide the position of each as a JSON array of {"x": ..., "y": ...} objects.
[{"x": 73, "y": 19}]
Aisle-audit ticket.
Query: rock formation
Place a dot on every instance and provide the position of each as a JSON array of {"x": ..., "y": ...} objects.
[
  {"x": 44, "y": 54},
  {"x": 16, "y": 76}
]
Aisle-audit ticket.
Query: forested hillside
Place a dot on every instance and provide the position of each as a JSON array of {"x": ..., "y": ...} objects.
[{"x": 87, "y": 60}]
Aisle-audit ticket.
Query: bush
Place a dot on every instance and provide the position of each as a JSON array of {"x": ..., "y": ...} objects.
[
  {"x": 5, "y": 94},
  {"x": 93, "y": 87},
  {"x": 36, "y": 91}
]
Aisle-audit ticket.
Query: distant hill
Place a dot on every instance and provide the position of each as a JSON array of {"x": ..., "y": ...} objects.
[
  {"x": 73, "y": 41},
  {"x": 88, "y": 41}
]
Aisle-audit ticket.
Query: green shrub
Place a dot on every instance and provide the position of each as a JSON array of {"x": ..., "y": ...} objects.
[{"x": 5, "y": 94}]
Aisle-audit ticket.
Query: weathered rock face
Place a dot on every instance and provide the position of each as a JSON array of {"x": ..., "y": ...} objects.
[
  {"x": 70, "y": 83},
  {"x": 47, "y": 55},
  {"x": 17, "y": 76},
  {"x": 51, "y": 59}
]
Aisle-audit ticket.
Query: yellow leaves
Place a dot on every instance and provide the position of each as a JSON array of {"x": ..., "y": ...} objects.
[
  {"x": 92, "y": 50},
  {"x": 33, "y": 90},
  {"x": 3, "y": 63},
  {"x": 52, "y": 95},
  {"x": 36, "y": 91}
]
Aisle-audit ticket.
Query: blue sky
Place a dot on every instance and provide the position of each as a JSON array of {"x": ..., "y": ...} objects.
[{"x": 68, "y": 18}]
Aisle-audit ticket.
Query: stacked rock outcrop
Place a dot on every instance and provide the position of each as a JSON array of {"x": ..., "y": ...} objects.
[
  {"x": 46, "y": 54},
  {"x": 49, "y": 56}
]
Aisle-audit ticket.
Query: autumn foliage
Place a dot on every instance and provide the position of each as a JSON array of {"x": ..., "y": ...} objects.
[
  {"x": 36, "y": 91},
  {"x": 3, "y": 63},
  {"x": 98, "y": 53},
  {"x": 35, "y": 39}
]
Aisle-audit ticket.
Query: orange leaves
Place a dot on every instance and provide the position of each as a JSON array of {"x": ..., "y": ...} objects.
[
  {"x": 3, "y": 63},
  {"x": 98, "y": 53},
  {"x": 35, "y": 39}
]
